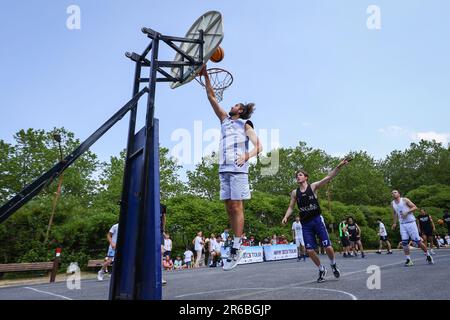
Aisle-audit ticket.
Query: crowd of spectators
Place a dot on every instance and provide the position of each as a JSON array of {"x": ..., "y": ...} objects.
[{"x": 206, "y": 251}]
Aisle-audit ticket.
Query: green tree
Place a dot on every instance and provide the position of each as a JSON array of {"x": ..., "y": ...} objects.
[
  {"x": 281, "y": 181},
  {"x": 204, "y": 180},
  {"x": 423, "y": 163},
  {"x": 360, "y": 182},
  {"x": 437, "y": 195}
]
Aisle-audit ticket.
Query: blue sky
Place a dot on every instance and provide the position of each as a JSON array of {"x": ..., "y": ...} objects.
[{"x": 313, "y": 68}]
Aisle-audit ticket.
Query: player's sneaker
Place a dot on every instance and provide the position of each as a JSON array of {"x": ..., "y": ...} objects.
[
  {"x": 408, "y": 263},
  {"x": 432, "y": 251},
  {"x": 379, "y": 252},
  {"x": 363, "y": 255},
  {"x": 163, "y": 282},
  {"x": 430, "y": 260},
  {"x": 100, "y": 275},
  {"x": 336, "y": 271},
  {"x": 389, "y": 252},
  {"x": 233, "y": 259},
  {"x": 322, "y": 274}
]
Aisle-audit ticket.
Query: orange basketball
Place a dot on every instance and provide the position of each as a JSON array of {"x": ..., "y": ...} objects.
[
  {"x": 440, "y": 221},
  {"x": 217, "y": 55}
]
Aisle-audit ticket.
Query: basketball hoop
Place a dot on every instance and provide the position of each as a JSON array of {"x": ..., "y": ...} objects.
[{"x": 220, "y": 80}]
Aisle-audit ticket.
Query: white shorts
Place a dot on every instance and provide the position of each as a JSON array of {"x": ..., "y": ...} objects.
[
  {"x": 409, "y": 230},
  {"x": 299, "y": 242},
  {"x": 234, "y": 186}
]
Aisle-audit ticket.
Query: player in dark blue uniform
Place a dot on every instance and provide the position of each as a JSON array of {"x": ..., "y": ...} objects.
[{"x": 311, "y": 217}]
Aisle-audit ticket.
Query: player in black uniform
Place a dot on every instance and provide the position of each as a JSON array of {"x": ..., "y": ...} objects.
[
  {"x": 426, "y": 228},
  {"x": 305, "y": 196},
  {"x": 355, "y": 236}
]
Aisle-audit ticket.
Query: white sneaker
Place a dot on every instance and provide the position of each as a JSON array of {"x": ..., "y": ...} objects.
[
  {"x": 100, "y": 275},
  {"x": 432, "y": 251},
  {"x": 233, "y": 259}
]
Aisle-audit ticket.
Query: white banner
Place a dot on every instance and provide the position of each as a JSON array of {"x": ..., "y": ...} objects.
[
  {"x": 280, "y": 252},
  {"x": 251, "y": 255}
]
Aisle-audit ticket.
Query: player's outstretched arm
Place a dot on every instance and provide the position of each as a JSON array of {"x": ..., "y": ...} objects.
[
  {"x": 331, "y": 175},
  {"x": 290, "y": 209},
  {"x": 221, "y": 114}
]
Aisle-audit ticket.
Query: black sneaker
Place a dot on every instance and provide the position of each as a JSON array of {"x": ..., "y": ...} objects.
[
  {"x": 363, "y": 255},
  {"x": 389, "y": 252},
  {"x": 322, "y": 275},
  {"x": 378, "y": 252},
  {"x": 430, "y": 260},
  {"x": 408, "y": 263},
  {"x": 336, "y": 271}
]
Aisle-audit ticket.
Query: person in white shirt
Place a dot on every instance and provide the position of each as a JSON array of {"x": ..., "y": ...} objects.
[
  {"x": 188, "y": 258},
  {"x": 198, "y": 247},
  {"x": 447, "y": 239},
  {"x": 112, "y": 239},
  {"x": 167, "y": 245},
  {"x": 383, "y": 237},
  {"x": 215, "y": 251},
  {"x": 225, "y": 234},
  {"x": 297, "y": 235},
  {"x": 237, "y": 131},
  {"x": 403, "y": 212}
]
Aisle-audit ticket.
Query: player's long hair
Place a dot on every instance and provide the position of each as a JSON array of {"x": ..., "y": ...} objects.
[{"x": 249, "y": 108}]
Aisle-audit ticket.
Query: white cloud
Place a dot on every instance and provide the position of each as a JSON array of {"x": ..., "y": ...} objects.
[
  {"x": 393, "y": 131},
  {"x": 397, "y": 131},
  {"x": 431, "y": 135}
]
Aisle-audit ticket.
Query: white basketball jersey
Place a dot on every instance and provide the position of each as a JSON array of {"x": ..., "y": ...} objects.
[{"x": 400, "y": 208}]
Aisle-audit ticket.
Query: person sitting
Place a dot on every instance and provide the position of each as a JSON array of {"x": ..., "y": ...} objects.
[
  {"x": 215, "y": 253},
  {"x": 282, "y": 240},
  {"x": 178, "y": 263},
  {"x": 440, "y": 241},
  {"x": 168, "y": 264}
]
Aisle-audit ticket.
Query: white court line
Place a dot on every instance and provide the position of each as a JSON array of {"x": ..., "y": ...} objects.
[
  {"x": 309, "y": 282},
  {"x": 332, "y": 290},
  {"x": 49, "y": 293},
  {"x": 216, "y": 291}
]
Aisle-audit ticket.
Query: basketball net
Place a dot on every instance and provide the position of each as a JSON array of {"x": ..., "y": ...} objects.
[{"x": 220, "y": 80}]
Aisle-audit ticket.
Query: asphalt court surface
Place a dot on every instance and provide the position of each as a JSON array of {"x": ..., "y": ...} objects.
[{"x": 281, "y": 280}]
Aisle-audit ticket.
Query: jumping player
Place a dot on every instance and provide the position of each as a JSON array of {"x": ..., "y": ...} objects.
[
  {"x": 311, "y": 217},
  {"x": 403, "y": 212},
  {"x": 236, "y": 132}
]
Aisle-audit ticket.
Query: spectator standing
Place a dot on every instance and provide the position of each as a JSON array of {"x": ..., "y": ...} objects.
[
  {"x": 225, "y": 234},
  {"x": 167, "y": 245},
  {"x": 188, "y": 254},
  {"x": 198, "y": 247},
  {"x": 112, "y": 239}
]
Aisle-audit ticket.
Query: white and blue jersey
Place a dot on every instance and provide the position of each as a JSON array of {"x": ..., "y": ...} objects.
[{"x": 233, "y": 142}]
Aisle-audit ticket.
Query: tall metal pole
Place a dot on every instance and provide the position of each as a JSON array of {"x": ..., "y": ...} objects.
[
  {"x": 117, "y": 268},
  {"x": 148, "y": 259}
]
